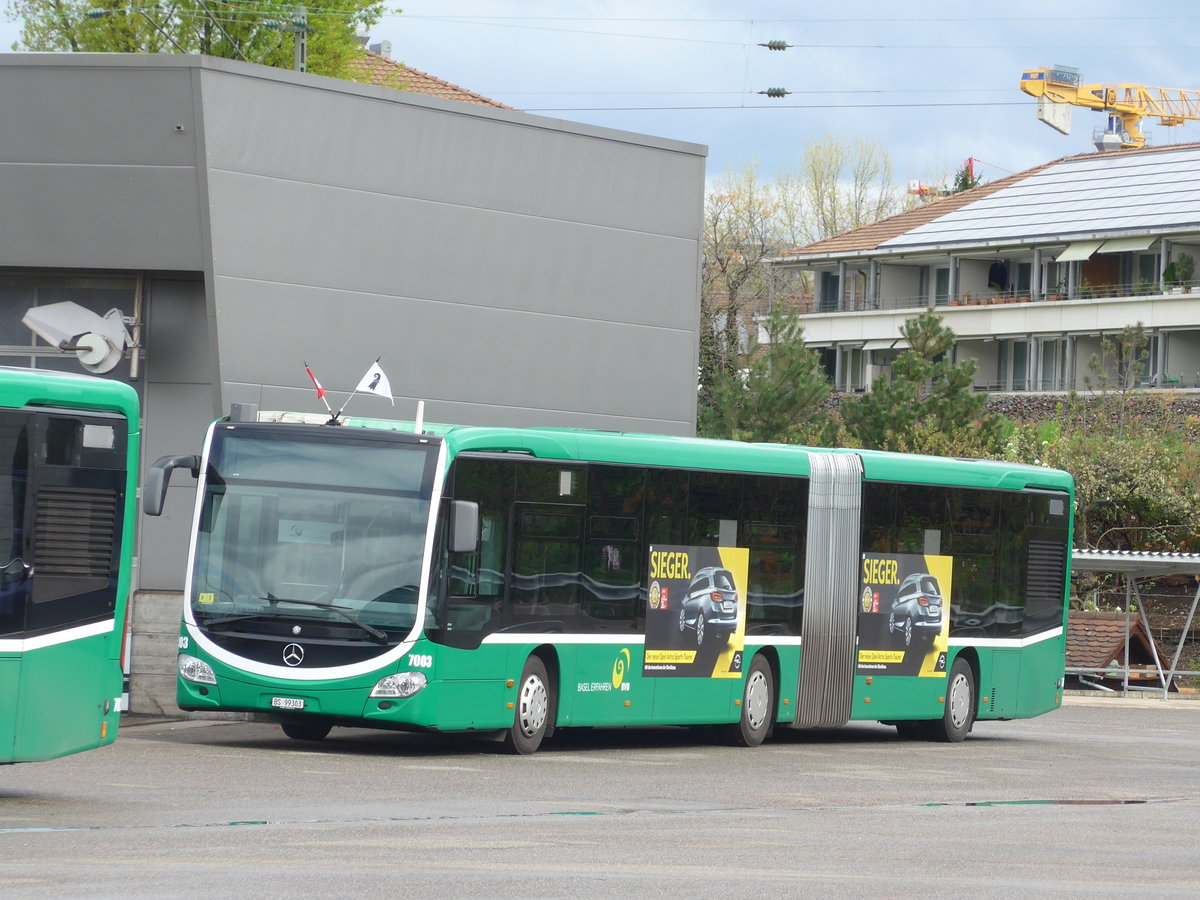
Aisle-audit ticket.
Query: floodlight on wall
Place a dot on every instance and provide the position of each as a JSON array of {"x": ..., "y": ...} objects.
[{"x": 98, "y": 342}]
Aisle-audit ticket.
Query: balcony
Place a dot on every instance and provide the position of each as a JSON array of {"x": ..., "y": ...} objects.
[
  {"x": 853, "y": 303},
  {"x": 1021, "y": 345}
]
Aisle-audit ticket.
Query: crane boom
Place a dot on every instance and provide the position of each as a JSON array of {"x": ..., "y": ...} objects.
[{"x": 1126, "y": 104}]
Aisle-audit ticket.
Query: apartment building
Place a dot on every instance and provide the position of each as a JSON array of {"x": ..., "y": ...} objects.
[{"x": 1030, "y": 271}]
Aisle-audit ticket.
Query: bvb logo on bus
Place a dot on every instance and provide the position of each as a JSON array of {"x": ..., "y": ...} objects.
[
  {"x": 655, "y": 595},
  {"x": 620, "y": 666}
]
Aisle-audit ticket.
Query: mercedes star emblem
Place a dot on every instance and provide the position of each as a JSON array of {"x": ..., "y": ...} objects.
[{"x": 293, "y": 654}]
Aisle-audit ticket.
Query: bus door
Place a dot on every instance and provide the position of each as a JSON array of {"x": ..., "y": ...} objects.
[
  {"x": 67, "y": 501},
  {"x": 828, "y": 631}
]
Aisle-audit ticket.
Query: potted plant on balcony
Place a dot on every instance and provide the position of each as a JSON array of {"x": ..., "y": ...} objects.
[
  {"x": 1185, "y": 267},
  {"x": 1170, "y": 277}
]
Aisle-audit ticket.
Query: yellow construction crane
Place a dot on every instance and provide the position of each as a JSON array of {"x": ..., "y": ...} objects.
[{"x": 1125, "y": 104}]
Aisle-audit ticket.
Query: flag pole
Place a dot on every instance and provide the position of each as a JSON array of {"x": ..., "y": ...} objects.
[
  {"x": 320, "y": 390},
  {"x": 353, "y": 392}
]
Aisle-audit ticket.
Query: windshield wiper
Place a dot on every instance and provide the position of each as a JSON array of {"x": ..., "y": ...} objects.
[{"x": 380, "y": 636}]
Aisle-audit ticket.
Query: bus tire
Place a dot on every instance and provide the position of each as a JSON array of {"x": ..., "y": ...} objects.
[
  {"x": 959, "y": 715},
  {"x": 758, "y": 707},
  {"x": 534, "y": 709},
  {"x": 305, "y": 731}
]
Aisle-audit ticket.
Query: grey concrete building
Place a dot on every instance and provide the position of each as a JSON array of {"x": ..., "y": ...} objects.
[{"x": 507, "y": 268}]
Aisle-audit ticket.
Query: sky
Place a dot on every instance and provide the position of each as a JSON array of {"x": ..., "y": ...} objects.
[{"x": 934, "y": 83}]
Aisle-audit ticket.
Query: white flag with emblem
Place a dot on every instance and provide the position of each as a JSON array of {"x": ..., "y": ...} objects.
[{"x": 376, "y": 382}]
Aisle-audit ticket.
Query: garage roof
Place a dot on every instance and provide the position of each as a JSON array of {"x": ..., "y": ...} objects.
[{"x": 1135, "y": 563}]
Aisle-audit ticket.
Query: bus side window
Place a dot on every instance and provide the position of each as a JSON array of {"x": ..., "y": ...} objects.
[
  {"x": 76, "y": 486},
  {"x": 666, "y": 506},
  {"x": 776, "y": 509},
  {"x": 714, "y": 508},
  {"x": 613, "y": 550}
]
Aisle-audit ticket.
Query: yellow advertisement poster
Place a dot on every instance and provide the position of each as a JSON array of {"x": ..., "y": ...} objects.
[
  {"x": 696, "y": 611},
  {"x": 904, "y": 614}
]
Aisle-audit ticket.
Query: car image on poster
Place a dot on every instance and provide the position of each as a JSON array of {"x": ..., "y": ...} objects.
[{"x": 696, "y": 611}]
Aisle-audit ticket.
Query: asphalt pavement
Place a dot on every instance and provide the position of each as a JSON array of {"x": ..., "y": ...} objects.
[{"x": 1097, "y": 799}]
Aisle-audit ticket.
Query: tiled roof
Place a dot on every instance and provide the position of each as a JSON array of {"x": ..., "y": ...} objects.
[
  {"x": 371, "y": 68},
  {"x": 1096, "y": 639},
  {"x": 869, "y": 237},
  {"x": 1066, "y": 195}
]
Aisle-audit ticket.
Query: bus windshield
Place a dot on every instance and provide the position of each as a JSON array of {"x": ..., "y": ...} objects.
[{"x": 302, "y": 532}]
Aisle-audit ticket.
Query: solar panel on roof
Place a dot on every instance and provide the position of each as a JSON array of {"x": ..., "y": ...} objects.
[{"x": 1159, "y": 189}]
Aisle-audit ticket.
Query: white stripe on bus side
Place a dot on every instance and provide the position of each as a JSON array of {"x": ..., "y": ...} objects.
[{"x": 23, "y": 645}]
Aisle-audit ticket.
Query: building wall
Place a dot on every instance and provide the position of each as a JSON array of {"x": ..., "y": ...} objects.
[
  {"x": 505, "y": 268},
  {"x": 508, "y": 269},
  {"x": 97, "y": 164}
]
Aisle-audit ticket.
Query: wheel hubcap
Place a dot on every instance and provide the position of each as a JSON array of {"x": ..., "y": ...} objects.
[
  {"x": 756, "y": 700},
  {"x": 534, "y": 703},
  {"x": 959, "y": 701}
]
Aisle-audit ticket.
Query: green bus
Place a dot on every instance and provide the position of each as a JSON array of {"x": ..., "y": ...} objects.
[
  {"x": 509, "y": 582},
  {"x": 69, "y": 451}
]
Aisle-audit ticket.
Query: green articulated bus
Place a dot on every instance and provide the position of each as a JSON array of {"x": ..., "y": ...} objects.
[
  {"x": 69, "y": 451},
  {"x": 509, "y": 582}
]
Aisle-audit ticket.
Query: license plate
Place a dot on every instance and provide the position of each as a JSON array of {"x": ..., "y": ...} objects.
[{"x": 287, "y": 703}]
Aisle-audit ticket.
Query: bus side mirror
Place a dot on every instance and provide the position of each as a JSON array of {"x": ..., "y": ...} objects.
[
  {"x": 464, "y": 526},
  {"x": 158, "y": 476}
]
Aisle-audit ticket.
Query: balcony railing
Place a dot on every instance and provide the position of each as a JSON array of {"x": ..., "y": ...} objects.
[{"x": 1085, "y": 291}]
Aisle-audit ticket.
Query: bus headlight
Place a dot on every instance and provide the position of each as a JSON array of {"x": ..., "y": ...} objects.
[
  {"x": 197, "y": 670},
  {"x": 402, "y": 684}
]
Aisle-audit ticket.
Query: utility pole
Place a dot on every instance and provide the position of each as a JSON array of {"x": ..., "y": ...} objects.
[{"x": 300, "y": 28}]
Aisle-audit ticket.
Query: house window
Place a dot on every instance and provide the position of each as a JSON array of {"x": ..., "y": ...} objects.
[
  {"x": 998, "y": 276},
  {"x": 1024, "y": 271},
  {"x": 831, "y": 290},
  {"x": 1020, "y": 365},
  {"x": 941, "y": 286},
  {"x": 1147, "y": 267},
  {"x": 1051, "y": 355}
]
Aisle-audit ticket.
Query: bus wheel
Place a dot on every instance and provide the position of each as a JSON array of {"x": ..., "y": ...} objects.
[
  {"x": 758, "y": 707},
  {"x": 959, "y": 714},
  {"x": 305, "y": 731},
  {"x": 534, "y": 709}
]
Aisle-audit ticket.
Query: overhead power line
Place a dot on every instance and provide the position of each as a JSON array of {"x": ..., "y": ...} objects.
[{"x": 771, "y": 106}]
